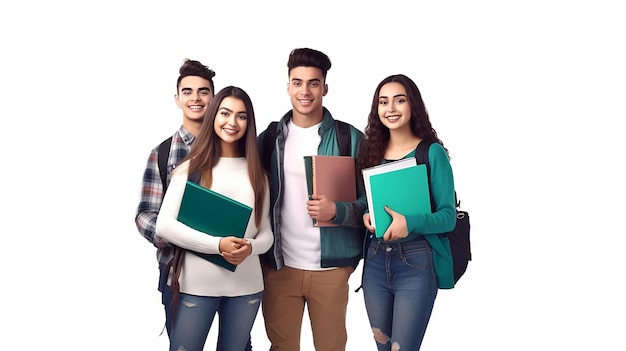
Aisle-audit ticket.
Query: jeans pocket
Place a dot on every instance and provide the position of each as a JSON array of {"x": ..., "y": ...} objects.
[{"x": 417, "y": 257}]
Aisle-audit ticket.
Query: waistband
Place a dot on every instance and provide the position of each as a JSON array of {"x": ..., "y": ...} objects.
[{"x": 390, "y": 246}]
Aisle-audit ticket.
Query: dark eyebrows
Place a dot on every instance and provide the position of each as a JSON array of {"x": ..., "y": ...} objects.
[
  {"x": 231, "y": 111},
  {"x": 199, "y": 89},
  {"x": 301, "y": 80},
  {"x": 395, "y": 96}
]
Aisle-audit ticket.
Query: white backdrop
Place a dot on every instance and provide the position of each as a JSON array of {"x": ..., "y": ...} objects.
[{"x": 528, "y": 96}]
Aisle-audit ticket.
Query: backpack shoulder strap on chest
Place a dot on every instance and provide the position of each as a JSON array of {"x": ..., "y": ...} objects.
[
  {"x": 421, "y": 153},
  {"x": 343, "y": 137},
  {"x": 268, "y": 144},
  {"x": 163, "y": 154}
]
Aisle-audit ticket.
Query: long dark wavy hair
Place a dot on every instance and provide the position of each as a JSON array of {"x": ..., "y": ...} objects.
[
  {"x": 373, "y": 145},
  {"x": 206, "y": 149}
]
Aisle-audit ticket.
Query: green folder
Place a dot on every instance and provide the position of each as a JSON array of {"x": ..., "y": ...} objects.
[
  {"x": 215, "y": 214},
  {"x": 404, "y": 190}
]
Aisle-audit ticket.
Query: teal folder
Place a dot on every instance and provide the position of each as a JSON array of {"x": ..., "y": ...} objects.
[
  {"x": 215, "y": 214},
  {"x": 403, "y": 188}
]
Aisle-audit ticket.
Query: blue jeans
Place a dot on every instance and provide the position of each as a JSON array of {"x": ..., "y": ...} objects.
[
  {"x": 195, "y": 315},
  {"x": 399, "y": 288},
  {"x": 166, "y": 299}
]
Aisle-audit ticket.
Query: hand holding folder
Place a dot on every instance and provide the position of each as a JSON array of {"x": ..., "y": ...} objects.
[
  {"x": 402, "y": 185},
  {"x": 332, "y": 176},
  {"x": 215, "y": 214}
]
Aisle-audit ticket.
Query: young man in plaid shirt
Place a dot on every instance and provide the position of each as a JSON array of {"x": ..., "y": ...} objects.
[{"x": 194, "y": 92}]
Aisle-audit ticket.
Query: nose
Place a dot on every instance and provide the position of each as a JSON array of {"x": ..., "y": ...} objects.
[
  {"x": 391, "y": 107},
  {"x": 232, "y": 120}
]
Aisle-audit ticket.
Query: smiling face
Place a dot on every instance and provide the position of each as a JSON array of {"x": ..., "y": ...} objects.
[
  {"x": 394, "y": 109},
  {"x": 306, "y": 89},
  {"x": 231, "y": 123},
  {"x": 194, "y": 96}
]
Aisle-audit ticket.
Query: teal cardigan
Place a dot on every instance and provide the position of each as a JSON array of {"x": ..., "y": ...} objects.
[{"x": 443, "y": 217}]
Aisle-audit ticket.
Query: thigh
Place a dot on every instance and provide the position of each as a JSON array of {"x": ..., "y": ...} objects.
[
  {"x": 192, "y": 321},
  {"x": 327, "y": 301},
  {"x": 236, "y": 317},
  {"x": 415, "y": 290},
  {"x": 377, "y": 295},
  {"x": 283, "y": 307}
]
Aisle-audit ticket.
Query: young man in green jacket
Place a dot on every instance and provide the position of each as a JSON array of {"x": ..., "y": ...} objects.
[{"x": 308, "y": 265}]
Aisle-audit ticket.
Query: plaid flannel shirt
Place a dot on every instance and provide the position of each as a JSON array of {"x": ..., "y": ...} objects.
[{"x": 152, "y": 192}]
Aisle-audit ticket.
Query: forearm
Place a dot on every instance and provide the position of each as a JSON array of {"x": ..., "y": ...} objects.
[
  {"x": 168, "y": 227},
  {"x": 146, "y": 225}
]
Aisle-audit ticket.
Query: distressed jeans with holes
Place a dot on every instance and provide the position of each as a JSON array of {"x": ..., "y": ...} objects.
[
  {"x": 399, "y": 288},
  {"x": 195, "y": 315}
]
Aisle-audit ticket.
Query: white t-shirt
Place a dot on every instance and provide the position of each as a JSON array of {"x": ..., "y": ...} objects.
[
  {"x": 300, "y": 239},
  {"x": 199, "y": 276}
]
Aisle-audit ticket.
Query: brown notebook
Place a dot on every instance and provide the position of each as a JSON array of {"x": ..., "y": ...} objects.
[{"x": 332, "y": 176}]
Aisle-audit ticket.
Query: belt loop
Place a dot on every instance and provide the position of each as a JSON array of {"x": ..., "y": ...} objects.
[{"x": 377, "y": 244}]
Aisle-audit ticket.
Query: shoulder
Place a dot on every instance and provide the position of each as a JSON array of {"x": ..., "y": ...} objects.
[
  {"x": 437, "y": 156},
  {"x": 170, "y": 139},
  {"x": 353, "y": 130},
  {"x": 437, "y": 152},
  {"x": 436, "y": 148}
]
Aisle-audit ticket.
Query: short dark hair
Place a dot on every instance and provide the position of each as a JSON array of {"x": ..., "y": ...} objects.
[
  {"x": 308, "y": 58},
  {"x": 195, "y": 68}
]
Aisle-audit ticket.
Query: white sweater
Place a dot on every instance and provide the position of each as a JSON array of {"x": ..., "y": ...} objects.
[{"x": 199, "y": 276}]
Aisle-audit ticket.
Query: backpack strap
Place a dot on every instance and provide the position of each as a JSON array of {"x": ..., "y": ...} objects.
[
  {"x": 268, "y": 145},
  {"x": 421, "y": 153},
  {"x": 163, "y": 154},
  {"x": 421, "y": 156},
  {"x": 343, "y": 137}
]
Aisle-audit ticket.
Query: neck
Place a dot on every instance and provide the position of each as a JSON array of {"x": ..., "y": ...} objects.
[
  {"x": 402, "y": 139},
  {"x": 192, "y": 126},
  {"x": 230, "y": 150},
  {"x": 305, "y": 121}
]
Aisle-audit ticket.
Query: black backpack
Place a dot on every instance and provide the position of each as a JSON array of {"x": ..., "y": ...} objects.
[
  {"x": 460, "y": 236},
  {"x": 343, "y": 138},
  {"x": 163, "y": 154}
]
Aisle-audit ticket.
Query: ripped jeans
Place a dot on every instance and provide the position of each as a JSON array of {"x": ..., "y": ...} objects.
[
  {"x": 399, "y": 288},
  {"x": 195, "y": 315}
]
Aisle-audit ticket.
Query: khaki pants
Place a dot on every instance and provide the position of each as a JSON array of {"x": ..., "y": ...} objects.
[{"x": 326, "y": 295}]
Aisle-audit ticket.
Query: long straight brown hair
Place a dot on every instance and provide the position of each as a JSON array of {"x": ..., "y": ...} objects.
[{"x": 206, "y": 149}]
